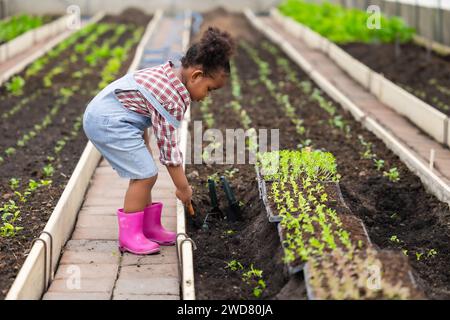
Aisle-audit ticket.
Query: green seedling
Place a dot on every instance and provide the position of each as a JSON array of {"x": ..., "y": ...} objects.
[
  {"x": 394, "y": 215},
  {"x": 9, "y": 230},
  {"x": 379, "y": 164},
  {"x": 393, "y": 174},
  {"x": 367, "y": 153},
  {"x": 59, "y": 145},
  {"x": 431, "y": 253},
  {"x": 22, "y": 197},
  {"x": 48, "y": 170},
  {"x": 10, "y": 213},
  {"x": 255, "y": 275},
  {"x": 10, "y": 151},
  {"x": 229, "y": 173},
  {"x": 14, "y": 183},
  {"x": 394, "y": 239},
  {"x": 66, "y": 93},
  {"x": 15, "y": 86},
  {"x": 32, "y": 185},
  {"x": 234, "y": 265},
  {"x": 44, "y": 183},
  {"x": 258, "y": 290}
]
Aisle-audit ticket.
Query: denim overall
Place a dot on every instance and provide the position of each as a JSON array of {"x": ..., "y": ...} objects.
[{"x": 117, "y": 132}]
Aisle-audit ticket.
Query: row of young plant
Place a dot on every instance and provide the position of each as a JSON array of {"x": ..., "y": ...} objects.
[
  {"x": 79, "y": 44},
  {"x": 16, "y": 85},
  {"x": 11, "y": 209},
  {"x": 297, "y": 190},
  {"x": 440, "y": 103},
  {"x": 346, "y": 25},
  {"x": 14, "y": 26},
  {"x": 62, "y": 97},
  {"x": 84, "y": 48},
  {"x": 235, "y": 104}
]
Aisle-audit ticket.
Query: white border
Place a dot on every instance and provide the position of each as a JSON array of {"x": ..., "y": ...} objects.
[{"x": 187, "y": 285}]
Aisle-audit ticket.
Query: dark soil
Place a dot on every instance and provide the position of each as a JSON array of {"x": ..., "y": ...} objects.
[
  {"x": 28, "y": 162},
  {"x": 425, "y": 75},
  {"x": 129, "y": 16},
  {"x": 402, "y": 208}
]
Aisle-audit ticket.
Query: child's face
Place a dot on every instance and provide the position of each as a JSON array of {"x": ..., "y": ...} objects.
[{"x": 200, "y": 85}]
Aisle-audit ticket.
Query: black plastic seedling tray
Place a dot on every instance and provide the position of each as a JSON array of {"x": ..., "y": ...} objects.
[
  {"x": 311, "y": 295},
  {"x": 296, "y": 267},
  {"x": 262, "y": 187}
]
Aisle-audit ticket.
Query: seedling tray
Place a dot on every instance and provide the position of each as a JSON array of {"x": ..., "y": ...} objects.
[
  {"x": 263, "y": 196},
  {"x": 407, "y": 278},
  {"x": 273, "y": 216},
  {"x": 351, "y": 223}
]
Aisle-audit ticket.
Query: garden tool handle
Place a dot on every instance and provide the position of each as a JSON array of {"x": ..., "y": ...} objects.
[
  {"x": 227, "y": 189},
  {"x": 190, "y": 209},
  {"x": 212, "y": 193}
]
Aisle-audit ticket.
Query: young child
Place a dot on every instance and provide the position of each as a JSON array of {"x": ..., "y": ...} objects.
[{"x": 116, "y": 122}]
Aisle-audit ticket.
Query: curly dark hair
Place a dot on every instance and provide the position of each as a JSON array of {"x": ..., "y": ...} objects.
[{"x": 212, "y": 52}]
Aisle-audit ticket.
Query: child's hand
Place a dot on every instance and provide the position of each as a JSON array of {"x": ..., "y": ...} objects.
[{"x": 185, "y": 194}]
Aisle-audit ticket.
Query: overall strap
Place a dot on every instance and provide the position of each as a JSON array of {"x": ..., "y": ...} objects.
[
  {"x": 127, "y": 82},
  {"x": 155, "y": 103}
]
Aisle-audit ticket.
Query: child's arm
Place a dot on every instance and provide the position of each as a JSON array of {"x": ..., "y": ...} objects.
[{"x": 184, "y": 190}]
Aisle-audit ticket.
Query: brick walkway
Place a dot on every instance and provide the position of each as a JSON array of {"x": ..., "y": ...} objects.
[
  {"x": 92, "y": 256},
  {"x": 92, "y": 253},
  {"x": 404, "y": 130}
]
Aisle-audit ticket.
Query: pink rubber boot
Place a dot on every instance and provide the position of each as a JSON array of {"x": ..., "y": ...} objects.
[
  {"x": 153, "y": 229},
  {"x": 131, "y": 237}
]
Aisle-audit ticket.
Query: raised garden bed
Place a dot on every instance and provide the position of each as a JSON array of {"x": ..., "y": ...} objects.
[
  {"x": 415, "y": 69},
  {"x": 14, "y": 26},
  {"x": 377, "y": 187},
  {"x": 389, "y": 50},
  {"x": 23, "y": 32},
  {"x": 40, "y": 149}
]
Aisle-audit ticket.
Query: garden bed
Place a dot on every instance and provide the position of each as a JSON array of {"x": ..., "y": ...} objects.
[
  {"x": 375, "y": 184},
  {"x": 389, "y": 50},
  {"x": 40, "y": 149},
  {"x": 414, "y": 68},
  {"x": 15, "y": 26}
]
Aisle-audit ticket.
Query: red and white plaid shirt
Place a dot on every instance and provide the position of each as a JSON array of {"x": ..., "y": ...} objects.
[{"x": 165, "y": 86}]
